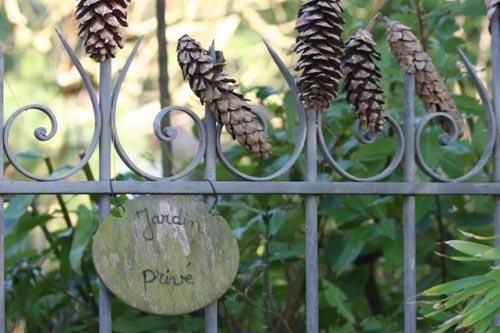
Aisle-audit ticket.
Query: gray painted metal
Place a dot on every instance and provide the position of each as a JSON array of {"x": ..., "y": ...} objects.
[
  {"x": 311, "y": 207},
  {"x": 2, "y": 257},
  {"x": 495, "y": 30},
  {"x": 409, "y": 170},
  {"x": 210, "y": 174},
  {"x": 105, "y": 89},
  {"x": 310, "y": 136},
  {"x": 366, "y": 138},
  {"x": 239, "y": 187}
]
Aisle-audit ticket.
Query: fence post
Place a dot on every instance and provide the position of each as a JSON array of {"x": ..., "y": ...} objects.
[
  {"x": 105, "y": 91},
  {"x": 410, "y": 303},
  {"x": 311, "y": 210},
  {"x": 2, "y": 231},
  {"x": 210, "y": 174},
  {"x": 495, "y": 31}
]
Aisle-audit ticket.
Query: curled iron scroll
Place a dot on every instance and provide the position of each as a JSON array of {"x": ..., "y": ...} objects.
[
  {"x": 168, "y": 134},
  {"x": 301, "y": 137},
  {"x": 42, "y": 134},
  {"x": 365, "y": 138},
  {"x": 452, "y": 137}
]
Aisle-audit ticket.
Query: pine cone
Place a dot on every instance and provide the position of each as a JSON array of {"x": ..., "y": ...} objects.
[
  {"x": 217, "y": 91},
  {"x": 319, "y": 46},
  {"x": 412, "y": 58},
  {"x": 362, "y": 79},
  {"x": 101, "y": 26}
]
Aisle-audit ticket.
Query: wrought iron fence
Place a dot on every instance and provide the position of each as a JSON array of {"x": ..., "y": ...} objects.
[{"x": 309, "y": 139}]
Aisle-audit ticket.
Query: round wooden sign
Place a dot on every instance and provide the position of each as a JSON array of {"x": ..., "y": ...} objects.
[{"x": 166, "y": 255}]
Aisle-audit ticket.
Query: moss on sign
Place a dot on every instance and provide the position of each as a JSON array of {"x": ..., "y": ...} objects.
[{"x": 166, "y": 254}]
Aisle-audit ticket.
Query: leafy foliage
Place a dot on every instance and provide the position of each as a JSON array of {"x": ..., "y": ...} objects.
[{"x": 468, "y": 303}]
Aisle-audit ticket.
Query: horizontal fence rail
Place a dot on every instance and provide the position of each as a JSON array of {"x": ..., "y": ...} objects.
[
  {"x": 239, "y": 187},
  {"x": 310, "y": 143}
]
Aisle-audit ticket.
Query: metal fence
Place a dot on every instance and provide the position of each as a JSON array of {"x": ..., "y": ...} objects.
[{"x": 309, "y": 137}]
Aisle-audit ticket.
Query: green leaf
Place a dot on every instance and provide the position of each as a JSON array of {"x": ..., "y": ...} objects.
[
  {"x": 16, "y": 208},
  {"x": 355, "y": 243},
  {"x": 378, "y": 150},
  {"x": 277, "y": 220},
  {"x": 350, "y": 252},
  {"x": 387, "y": 228},
  {"x": 492, "y": 254},
  {"x": 29, "y": 222},
  {"x": 482, "y": 327},
  {"x": 282, "y": 251},
  {"x": 84, "y": 230},
  {"x": 467, "y": 293},
  {"x": 336, "y": 298},
  {"x": 469, "y": 248},
  {"x": 480, "y": 313},
  {"x": 477, "y": 237},
  {"x": 454, "y": 286},
  {"x": 467, "y": 259},
  {"x": 468, "y": 104}
]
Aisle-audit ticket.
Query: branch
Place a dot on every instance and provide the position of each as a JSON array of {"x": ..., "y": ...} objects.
[
  {"x": 420, "y": 17},
  {"x": 166, "y": 147}
]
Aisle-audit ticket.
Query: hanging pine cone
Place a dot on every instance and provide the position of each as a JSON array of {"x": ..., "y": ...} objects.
[
  {"x": 319, "y": 47},
  {"x": 362, "y": 79},
  {"x": 412, "y": 59},
  {"x": 101, "y": 26},
  {"x": 217, "y": 91}
]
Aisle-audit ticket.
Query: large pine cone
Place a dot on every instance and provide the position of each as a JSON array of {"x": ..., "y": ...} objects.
[
  {"x": 319, "y": 46},
  {"x": 217, "y": 91},
  {"x": 412, "y": 59},
  {"x": 362, "y": 79},
  {"x": 101, "y": 26}
]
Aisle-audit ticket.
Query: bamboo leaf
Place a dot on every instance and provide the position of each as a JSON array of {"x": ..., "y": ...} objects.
[
  {"x": 454, "y": 286},
  {"x": 478, "y": 237},
  {"x": 481, "y": 313},
  {"x": 469, "y": 248},
  {"x": 492, "y": 254}
]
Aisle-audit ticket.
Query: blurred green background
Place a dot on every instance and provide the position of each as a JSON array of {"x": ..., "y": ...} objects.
[{"x": 51, "y": 283}]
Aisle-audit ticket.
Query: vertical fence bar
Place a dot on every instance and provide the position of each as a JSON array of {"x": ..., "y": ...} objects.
[
  {"x": 210, "y": 174},
  {"x": 311, "y": 210},
  {"x": 409, "y": 208},
  {"x": 2, "y": 252},
  {"x": 105, "y": 91},
  {"x": 495, "y": 31}
]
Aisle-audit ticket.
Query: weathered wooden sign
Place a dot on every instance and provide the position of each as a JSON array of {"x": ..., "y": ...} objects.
[{"x": 166, "y": 255}]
